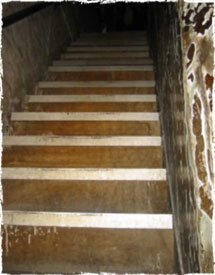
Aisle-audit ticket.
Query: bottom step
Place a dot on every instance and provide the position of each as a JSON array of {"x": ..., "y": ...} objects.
[{"x": 29, "y": 249}]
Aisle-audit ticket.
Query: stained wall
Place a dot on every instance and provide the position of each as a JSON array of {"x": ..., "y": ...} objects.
[
  {"x": 181, "y": 37},
  {"x": 28, "y": 47}
]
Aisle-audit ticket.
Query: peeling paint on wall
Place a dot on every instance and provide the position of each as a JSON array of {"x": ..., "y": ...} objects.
[
  {"x": 197, "y": 38},
  {"x": 196, "y": 24}
]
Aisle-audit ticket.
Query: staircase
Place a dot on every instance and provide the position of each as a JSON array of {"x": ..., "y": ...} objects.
[{"x": 84, "y": 182}]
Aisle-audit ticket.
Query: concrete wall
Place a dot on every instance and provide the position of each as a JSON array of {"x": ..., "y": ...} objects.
[
  {"x": 28, "y": 47},
  {"x": 183, "y": 54}
]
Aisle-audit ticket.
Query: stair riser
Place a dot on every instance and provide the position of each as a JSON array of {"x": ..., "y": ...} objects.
[
  {"x": 110, "y": 42},
  {"x": 107, "y": 61},
  {"x": 113, "y": 37},
  {"x": 125, "y": 34},
  {"x": 99, "y": 91},
  {"x": 94, "y": 48},
  {"x": 85, "y": 157},
  {"x": 100, "y": 55},
  {"x": 82, "y": 76},
  {"x": 87, "y": 128},
  {"x": 97, "y": 84},
  {"x": 92, "y": 107},
  {"x": 86, "y": 196},
  {"x": 64, "y": 250}
]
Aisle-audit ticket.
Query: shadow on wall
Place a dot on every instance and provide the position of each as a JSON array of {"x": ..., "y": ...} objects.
[{"x": 28, "y": 47}]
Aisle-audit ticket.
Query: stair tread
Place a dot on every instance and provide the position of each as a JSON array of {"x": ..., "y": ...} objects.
[
  {"x": 86, "y": 196},
  {"x": 110, "y": 42},
  {"x": 100, "y": 68},
  {"x": 66, "y": 250},
  {"x": 95, "y": 55},
  {"x": 83, "y": 156},
  {"x": 94, "y": 48},
  {"x": 112, "y": 33},
  {"x": 91, "y": 107},
  {"x": 97, "y": 84},
  {"x": 94, "y": 90},
  {"x": 86, "y": 128},
  {"x": 107, "y": 61}
]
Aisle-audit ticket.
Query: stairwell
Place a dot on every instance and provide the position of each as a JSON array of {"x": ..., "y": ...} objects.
[{"x": 84, "y": 178}]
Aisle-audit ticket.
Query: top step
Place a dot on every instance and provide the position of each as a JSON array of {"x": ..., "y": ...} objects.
[
  {"x": 94, "y": 48},
  {"x": 110, "y": 42},
  {"x": 114, "y": 34}
]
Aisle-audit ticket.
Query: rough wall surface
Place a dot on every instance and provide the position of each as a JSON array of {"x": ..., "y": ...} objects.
[
  {"x": 28, "y": 47},
  {"x": 198, "y": 57},
  {"x": 12, "y": 7},
  {"x": 184, "y": 86}
]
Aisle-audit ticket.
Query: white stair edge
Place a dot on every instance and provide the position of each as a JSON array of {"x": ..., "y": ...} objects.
[
  {"x": 98, "y": 174},
  {"x": 84, "y": 116},
  {"x": 100, "y": 55},
  {"x": 97, "y": 84},
  {"x": 88, "y": 220},
  {"x": 107, "y": 48},
  {"x": 90, "y": 98},
  {"x": 100, "y": 68},
  {"x": 81, "y": 141}
]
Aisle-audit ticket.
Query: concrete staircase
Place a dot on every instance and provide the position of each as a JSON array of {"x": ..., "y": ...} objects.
[{"x": 84, "y": 182}]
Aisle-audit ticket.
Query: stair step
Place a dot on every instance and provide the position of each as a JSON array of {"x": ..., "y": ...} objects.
[
  {"x": 90, "y": 98},
  {"x": 88, "y": 220},
  {"x": 81, "y": 141},
  {"x": 86, "y": 128},
  {"x": 113, "y": 37},
  {"x": 91, "y": 103},
  {"x": 86, "y": 196},
  {"x": 109, "y": 42},
  {"x": 83, "y": 156},
  {"x": 91, "y": 107},
  {"x": 88, "y": 116},
  {"x": 94, "y": 48},
  {"x": 99, "y": 75},
  {"x": 95, "y": 90},
  {"x": 96, "y": 84},
  {"x": 101, "y": 68},
  {"x": 96, "y": 55},
  {"x": 84, "y": 174},
  {"x": 66, "y": 250},
  {"x": 115, "y": 34},
  {"x": 103, "y": 61}
]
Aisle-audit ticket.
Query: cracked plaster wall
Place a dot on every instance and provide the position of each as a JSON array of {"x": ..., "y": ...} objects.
[
  {"x": 183, "y": 54},
  {"x": 28, "y": 47}
]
